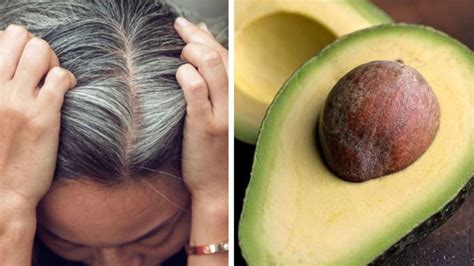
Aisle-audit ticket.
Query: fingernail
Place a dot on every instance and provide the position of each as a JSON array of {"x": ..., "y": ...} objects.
[
  {"x": 182, "y": 22},
  {"x": 14, "y": 28},
  {"x": 203, "y": 26},
  {"x": 10, "y": 26}
]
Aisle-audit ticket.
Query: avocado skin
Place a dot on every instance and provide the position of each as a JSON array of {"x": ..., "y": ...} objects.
[{"x": 424, "y": 229}]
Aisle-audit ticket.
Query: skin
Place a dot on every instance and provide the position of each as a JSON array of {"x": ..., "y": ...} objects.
[{"x": 100, "y": 225}]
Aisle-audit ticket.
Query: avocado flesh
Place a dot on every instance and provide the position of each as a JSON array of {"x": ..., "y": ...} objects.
[
  {"x": 264, "y": 57},
  {"x": 273, "y": 38},
  {"x": 297, "y": 212}
]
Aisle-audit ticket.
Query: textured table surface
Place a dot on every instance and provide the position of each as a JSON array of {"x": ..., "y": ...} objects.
[{"x": 453, "y": 242}]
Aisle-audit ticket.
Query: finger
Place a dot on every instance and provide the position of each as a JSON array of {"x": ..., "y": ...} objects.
[
  {"x": 12, "y": 43},
  {"x": 195, "y": 92},
  {"x": 57, "y": 82},
  {"x": 211, "y": 67},
  {"x": 204, "y": 27},
  {"x": 54, "y": 61},
  {"x": 192, "y": 33},
  {"x": 34, "y": 64}
]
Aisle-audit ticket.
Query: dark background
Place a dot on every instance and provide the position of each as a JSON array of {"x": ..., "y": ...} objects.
[{"x": 453, "y": 242}]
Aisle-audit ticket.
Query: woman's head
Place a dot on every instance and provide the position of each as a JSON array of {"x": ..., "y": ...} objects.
[
  {"x": 124, "y": 118},
  {"x": 117, "y": 173}
]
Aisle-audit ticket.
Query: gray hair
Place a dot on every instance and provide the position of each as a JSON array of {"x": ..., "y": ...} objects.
[{"x": 125, "y": 116}]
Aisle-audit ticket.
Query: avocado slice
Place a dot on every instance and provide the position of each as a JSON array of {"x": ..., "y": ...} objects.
[
  {"x": 297, "y": 212},
  {"x": 274, "y": 37}
]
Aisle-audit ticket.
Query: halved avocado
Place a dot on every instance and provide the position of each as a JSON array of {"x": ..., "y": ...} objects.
[
  {"x": 297, "y": 212},
  {"x": 274, "y": 37}
]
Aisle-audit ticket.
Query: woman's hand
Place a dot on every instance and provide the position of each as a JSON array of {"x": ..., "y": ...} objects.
[
  {"x": 204, "y": 80},
  {"x": 29, "y": 117},
  {"x": 204, "y": 164},
  {"x": 29, "y": 135}
]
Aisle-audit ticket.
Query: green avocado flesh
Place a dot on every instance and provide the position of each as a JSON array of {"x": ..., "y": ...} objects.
[{"x": 297, "y": 212}]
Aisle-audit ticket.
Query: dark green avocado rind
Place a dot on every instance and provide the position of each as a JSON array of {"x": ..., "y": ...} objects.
[
  {"x": 428, "y": 226},
  {"x": 264, "y": 145}
]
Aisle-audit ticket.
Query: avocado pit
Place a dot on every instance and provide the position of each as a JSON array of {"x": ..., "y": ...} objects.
[{"x": 378, "y": 119}]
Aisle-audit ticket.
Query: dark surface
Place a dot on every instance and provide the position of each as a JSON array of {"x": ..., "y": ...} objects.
[
  {"x": 243, "y": 157},
  {"x": 394, "y": 254},
  {"x": 452, "y": 243}
]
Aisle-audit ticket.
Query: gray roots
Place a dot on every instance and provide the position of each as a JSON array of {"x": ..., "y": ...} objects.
[{"x": 125, "y": 116}]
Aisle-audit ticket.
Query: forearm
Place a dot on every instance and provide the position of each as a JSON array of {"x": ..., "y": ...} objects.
[
  {"x": 17, "y": 230},
  {"x": 209, "y": 225}
]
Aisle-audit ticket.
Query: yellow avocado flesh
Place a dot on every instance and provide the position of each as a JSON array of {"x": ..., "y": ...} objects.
[
  {"x": 271, "y": 48},
  {"x": 297, "y": 212},
  {"x": 275, "y": 39}
]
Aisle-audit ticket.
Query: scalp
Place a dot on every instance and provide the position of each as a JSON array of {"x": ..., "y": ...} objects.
[{"x": 125, "y": 116}]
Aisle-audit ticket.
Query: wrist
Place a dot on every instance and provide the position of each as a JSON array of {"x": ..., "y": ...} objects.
[
  {"x": 18, "y": 221},
  {"x": 217, "y": 193},
  {"x": 17, "y": 231},
  {"x": 210, "y": 211},
  {"x": 16, "y": 209},
  {"x": 16, "y": 226},
  {"x": 209, "y": 220}
]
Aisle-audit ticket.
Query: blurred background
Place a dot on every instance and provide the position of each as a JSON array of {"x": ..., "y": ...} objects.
[
  {"x": 206, "y": 8},
  {"x": 452, "y": 243},
  {"x": 214, "y": 13},
  {"x": 454, "y": 17}
]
